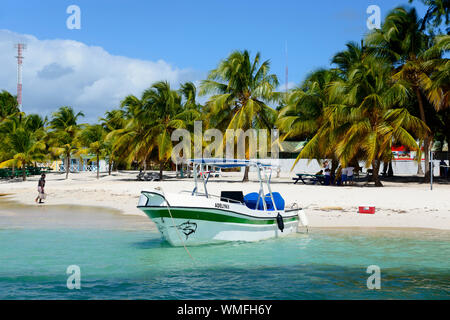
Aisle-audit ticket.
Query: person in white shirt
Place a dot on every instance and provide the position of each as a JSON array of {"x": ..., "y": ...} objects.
[
  {"x": 343, "y": 176},
  {"x": 350, "y": 174}
]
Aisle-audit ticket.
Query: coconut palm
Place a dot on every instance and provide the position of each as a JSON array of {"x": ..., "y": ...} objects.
[
  {"x": 373, "y": 116},
  {"x": 8, "y": 105},
  {"x": 437, "y": 9},
  {"x": 22, "y": 143},
  {"x": 167, "y": 110},
  {"x": 438, "y": 87},
  {"x": 303, "y": 114},
  {"x": 403, "y": 43},
  {"x": 92, "y": 137},
  {"x": 63, "y": 136},
  {"x": 362, "y": 112},
  {"x": 310, "y": 106},
  {"x": 191, "y": 110},
  {"x": 150, "y": 122},
  {"x": 114, "y": 120},
  {"x": 132, "y": 139},
  {"x": 241, "y": 89}
]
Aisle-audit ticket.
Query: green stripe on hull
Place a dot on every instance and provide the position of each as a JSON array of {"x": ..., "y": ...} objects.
[{"x": 206, "y": 214}]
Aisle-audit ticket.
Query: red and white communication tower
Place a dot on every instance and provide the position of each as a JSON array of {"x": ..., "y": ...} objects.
[{"x": 20, "y": 47}]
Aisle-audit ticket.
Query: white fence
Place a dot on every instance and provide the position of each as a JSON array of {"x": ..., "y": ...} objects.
[{"x": 401, "y": 167}]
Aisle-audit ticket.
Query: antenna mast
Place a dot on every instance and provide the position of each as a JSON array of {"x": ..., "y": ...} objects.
[{"x": 20, "y": 47}]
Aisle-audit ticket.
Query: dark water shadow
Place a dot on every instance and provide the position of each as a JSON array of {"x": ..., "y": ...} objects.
[
  {"x": 154, "y": 243},
  {"x": 298, "y": 282}
]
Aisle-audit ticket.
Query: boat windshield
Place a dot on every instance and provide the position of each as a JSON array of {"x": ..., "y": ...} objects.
[{"x": 264, "y": 172}]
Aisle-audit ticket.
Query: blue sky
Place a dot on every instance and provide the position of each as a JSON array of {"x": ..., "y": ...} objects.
[{"x": 192, "y": 36}]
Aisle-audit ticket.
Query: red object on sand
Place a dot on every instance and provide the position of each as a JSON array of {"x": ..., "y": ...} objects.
[{"x": 367, "y": 210}]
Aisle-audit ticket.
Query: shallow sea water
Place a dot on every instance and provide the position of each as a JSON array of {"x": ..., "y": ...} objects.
[{"x": 123, "y": 257}]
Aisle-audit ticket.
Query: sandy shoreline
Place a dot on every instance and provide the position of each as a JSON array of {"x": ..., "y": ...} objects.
[{"x": 398, "y": 205}]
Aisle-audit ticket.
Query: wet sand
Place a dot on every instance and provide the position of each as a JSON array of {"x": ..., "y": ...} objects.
[{"x": 398, "y": 205}]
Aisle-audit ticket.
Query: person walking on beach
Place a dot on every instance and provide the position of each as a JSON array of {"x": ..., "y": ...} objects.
[{"x": 41, "y": 186}]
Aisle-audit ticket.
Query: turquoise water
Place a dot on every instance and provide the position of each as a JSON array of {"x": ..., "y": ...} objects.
[{"x": 123, "y": 257}]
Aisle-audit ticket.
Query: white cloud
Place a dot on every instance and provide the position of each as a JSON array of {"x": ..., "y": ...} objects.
[
  {"x": 88, "y": 78},
  {"x": 290, "y": 85}
]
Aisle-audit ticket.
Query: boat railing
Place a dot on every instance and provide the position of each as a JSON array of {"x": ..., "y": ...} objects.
[{"x": 224, "y": 199}]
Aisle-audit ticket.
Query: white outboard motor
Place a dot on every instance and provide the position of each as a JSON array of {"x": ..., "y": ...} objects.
[{"x": 303, "y": 218}]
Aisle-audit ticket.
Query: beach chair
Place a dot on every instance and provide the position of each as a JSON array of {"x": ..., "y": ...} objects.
[{"x": 3, "y": 174}]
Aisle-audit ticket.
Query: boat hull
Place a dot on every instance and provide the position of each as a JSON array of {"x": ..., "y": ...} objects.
[{"x": 204, "y": 225}]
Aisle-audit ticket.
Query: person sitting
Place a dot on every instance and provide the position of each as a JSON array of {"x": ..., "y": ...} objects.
[
  {"x": 343, "y": 176},
  {"x": 350, "y": 175},
  {"x": 338, "y": 176},
  {"x": 327, "y": 177}
]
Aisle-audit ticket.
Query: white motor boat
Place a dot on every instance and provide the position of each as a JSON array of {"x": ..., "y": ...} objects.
[{"x": 197, "y": 218}]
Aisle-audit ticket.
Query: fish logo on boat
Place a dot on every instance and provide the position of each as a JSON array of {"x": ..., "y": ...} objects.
[
  {"x": 187, "y": 228},
  {"x": 160, "y": 226}
]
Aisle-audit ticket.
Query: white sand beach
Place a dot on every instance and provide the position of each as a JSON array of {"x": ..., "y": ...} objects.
[{"x": 398, "y": 205}]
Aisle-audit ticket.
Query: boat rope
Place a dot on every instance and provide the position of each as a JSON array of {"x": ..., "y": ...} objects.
[{"x": 174, "y": 225}]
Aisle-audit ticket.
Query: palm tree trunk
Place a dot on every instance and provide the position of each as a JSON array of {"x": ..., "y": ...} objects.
[
  {"x": 334, "y": 166},
  {"x": 245, "y": 174},
  {"x": 390, "y": 169},
  {"x": 419, "y": 159},
  {"x": 426, "y": 147},
  {"x": 385, "y": 168},
  {"x": 247, "y": 168},
  {"x": 161, "y": 166},
  {"x": 376, "y": 176},
  {"x": 426, "y": 150},
  {"x": 24, "y": 172},
  {"x": 98, "y": 166},
  {"x": 67, "y": 165},
  {"x": 109, "y": 166},
  {"x": 419, "y": 168}
]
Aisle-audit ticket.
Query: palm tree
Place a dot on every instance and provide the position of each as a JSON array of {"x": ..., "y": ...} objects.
[
  {"x": 167, "y": 110},
  {"x": 438, "y": 87},
  {"x": 114, "y": 120},
  {"x": 437, "y": 9},
  {"x": 191, "y": 110},
  {"x": 22, "y": 142},
  {"x": 403, "y": 43},
  {"x": 92, "y": 137},
  {"x": 8, "y": 105},
  {"x": 372, "y": 117},
  {"x": 361, "y": 112},
  {"x": 150, "y": 122},
  {"x": 303, "y": 114},
  {"x": 132, "y": 137},
  {"x": 241, "y": 89},
  {"x": 63, "y": 136}
]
